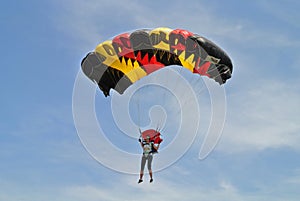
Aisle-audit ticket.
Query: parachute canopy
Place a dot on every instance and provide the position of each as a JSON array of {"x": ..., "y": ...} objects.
[
  {"x": 153, "y": 134},
  {"x": 128, "y": 57}
]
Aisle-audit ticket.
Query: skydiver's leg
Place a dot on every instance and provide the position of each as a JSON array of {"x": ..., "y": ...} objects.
[
  {"x": 143, "y": 162},
  {"x": 150, "y": 157}
]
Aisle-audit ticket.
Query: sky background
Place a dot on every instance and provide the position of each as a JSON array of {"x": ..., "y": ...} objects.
[{"x": 41, "y": 155}]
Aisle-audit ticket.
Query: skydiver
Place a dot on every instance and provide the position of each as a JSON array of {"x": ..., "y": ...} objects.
[{"x": 148, "y": 149}]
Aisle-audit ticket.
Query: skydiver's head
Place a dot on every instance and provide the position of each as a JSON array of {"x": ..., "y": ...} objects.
[{"x": 148, "y": 138}]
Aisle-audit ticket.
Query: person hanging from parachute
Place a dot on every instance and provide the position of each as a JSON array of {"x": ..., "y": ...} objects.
[
  {"x": 126, "y": 58},
  {"x": 149, "y": 141}
]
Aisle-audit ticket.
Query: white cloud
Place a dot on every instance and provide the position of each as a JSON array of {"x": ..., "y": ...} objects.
[
  {"x": 128, "y": 189},
  {"x": 178, "y": 187},
  {"x": 91, "y": 22},
  {"x": 94, "y": 21},
  {"x": 88, "y": 192},
  {"x": 266, "y": 116},
  {"x": 162, "y": 190},
  {"x": 288, "y": 14},
  {"x": 294, "y": 179}
]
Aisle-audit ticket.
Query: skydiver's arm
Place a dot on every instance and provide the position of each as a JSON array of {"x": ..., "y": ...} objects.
[
  {"x": 156, "y": 146},
  {"x": 141, "y": 143}
]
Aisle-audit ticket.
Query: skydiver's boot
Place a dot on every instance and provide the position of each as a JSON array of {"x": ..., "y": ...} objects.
[
  {"x": 151, "y": 179},
  {"x": 141, "y": 178}
]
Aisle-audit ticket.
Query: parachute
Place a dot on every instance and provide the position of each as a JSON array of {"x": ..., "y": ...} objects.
[{"x": 128, "y": 57}]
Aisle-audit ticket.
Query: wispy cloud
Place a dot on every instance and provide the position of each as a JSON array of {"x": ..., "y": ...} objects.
[
  {"x": 163, "y": 190},
  {"x": 286, "y": 14},
  {"x": 127, "y": 189},
  {"x": 263, "y": 117}
]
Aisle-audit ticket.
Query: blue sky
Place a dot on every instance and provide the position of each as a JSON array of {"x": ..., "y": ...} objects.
[{"x": 42, "y": 157}]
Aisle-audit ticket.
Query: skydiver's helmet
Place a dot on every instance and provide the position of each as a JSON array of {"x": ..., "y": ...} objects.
[{"x": 146, "y": 139}]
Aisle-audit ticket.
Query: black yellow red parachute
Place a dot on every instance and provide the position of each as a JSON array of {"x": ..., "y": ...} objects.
[{"x": 128, "y": 57}]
